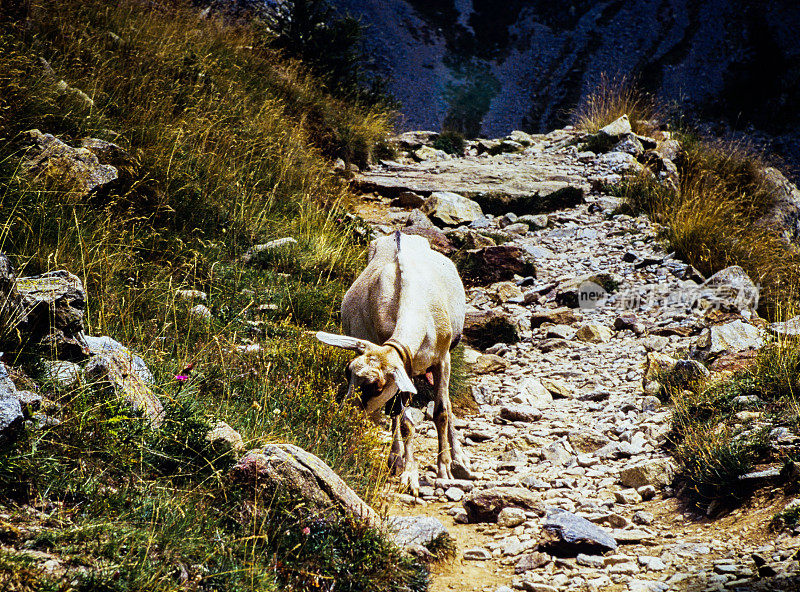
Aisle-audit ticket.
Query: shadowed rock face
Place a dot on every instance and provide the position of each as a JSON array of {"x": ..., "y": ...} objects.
[{"x": 489, "y": 67}]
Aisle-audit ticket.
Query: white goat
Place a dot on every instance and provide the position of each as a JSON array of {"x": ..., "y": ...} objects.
[{"x": 411, "y": 300}]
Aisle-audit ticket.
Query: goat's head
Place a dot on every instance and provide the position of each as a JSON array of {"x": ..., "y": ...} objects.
[{"x": 378, "y": 371}]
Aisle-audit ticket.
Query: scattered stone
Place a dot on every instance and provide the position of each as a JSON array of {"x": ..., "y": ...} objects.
[
  {"x": 731, "y": 337},
  {"x": 556, "y": 316},
  {"x": 61, "y": 373},
  {"x": 526, "y": 413},
  {"x": 191, "y": 295},
  {"x": 656, "y": 472},
  {"x": 255, "y": 253},
  {"x": 477, "y": 554},
  {"x": 106, "y": 345},
  {"x": 531, "y": 561},
  {"x": 200, "y": 312},
  {"x": 11, "y": 416},
  {"x": 51, "y": 308},
  {"x": 454, "y": 494},
  {"x": 487, "y": 363},
  {"x": 511, "y": 517},
  {"x": 594, "y": 333}
]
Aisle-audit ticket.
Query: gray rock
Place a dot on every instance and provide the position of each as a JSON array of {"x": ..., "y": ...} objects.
[
  {"x": 105, "y": 344},
  {"x": 415, "y": 140},
  {"x": 526, "y": 413},
  {"x": 484, "y": 505},
  {"x": 11, "y": 417},
  {"x": 223, "y": 439},
  {"x": 78, "y": 168},
  {"x": 415, "y": 530},
  {"x": 113, "y": 373},
  {"x": 568, "y": 534},
  {"x": 732, "y": 289},
  {"x": 476, "y": 554},
  {"x": 454, "y": 494},
  {"x": 409, "y": 199},
  {"x": 789, "y": 328},
  {"x": 496, "y": 264},
  {"x": 288, "y": 468},
  {"x": 200, "y": 312},
  {"x": 556, "y": 316},
  {"x": 451, "y": 209},
  {"x": 191, "y": 295}
]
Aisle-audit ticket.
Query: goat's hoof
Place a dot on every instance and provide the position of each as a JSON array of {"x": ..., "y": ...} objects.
[
  {"x": 409, "y": 480},
  {"x": 461, "y": 470}
]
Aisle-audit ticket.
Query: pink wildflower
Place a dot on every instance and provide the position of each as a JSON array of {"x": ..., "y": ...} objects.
[
  {"x": 181, "y": 377},
  {"x": 306, "y": 531}
]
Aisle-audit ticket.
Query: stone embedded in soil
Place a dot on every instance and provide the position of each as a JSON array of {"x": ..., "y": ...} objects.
[
  {"x": 415, "y": 530},
  {"x": 511, "y": 517},
  {"x": 656, "y": 472},
  {"x": 526, "y": 413}
]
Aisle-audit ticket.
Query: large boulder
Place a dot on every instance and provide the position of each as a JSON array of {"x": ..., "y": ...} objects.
[
  {"x": 484, "y": 505},
  {"x": 51, "y": 308},
  {"x": 289, "y": 469},
  {"x": 484, "y": 328},
  {"x": 113, "y": 372},
  {"x": 729, "y": 289},
  {"x": 79, "y": 168},
  {"x": 451, "y": 209},
  {"x": 784, "y": 215},
  {"x": 495, "y": 264},
  {"x": 728, "y": 338}
]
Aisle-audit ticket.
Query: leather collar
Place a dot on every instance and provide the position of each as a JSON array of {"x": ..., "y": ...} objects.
[{"x": 404, "y": 353}]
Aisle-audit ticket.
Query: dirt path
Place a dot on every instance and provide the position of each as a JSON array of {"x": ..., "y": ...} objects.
[{"x": 593, "y": 444}]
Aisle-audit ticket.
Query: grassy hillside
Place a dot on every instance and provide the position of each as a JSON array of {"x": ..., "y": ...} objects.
[{"x": 226, "y": 145}]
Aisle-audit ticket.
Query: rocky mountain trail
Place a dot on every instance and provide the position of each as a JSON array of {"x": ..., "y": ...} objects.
[{"x": 574, "y": 486}]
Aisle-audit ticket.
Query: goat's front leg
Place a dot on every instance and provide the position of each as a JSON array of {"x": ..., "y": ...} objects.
[
  {"x": 396, "y": 458},
  {"x": 409, "y": 478}
]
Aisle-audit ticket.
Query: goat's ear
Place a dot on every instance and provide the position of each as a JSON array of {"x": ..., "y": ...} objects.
[
  {"x": 403, "y": 381},
  {"x": 343, "y": 341}
]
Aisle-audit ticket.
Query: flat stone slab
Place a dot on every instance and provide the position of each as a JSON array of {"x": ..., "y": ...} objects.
[
  {"x": 505, "y": 184},
  {"x": 568, "y": 534}
]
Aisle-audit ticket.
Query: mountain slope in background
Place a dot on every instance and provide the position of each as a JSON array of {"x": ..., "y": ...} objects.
[{"x": 484, "y": 67}]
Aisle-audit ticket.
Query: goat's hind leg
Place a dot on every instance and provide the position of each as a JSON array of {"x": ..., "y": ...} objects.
[{"x": 443, "y": 417}]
